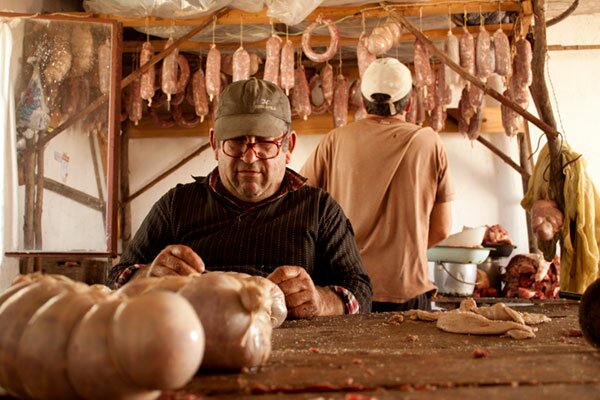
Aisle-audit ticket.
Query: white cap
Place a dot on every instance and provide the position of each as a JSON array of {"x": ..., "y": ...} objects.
[{"x": 388, "y": 76}]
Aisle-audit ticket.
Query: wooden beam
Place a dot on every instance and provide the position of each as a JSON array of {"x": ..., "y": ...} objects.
[
  {"x": 560, "y": 47},
  {"x": 550, "y": 130},
  {"x": 316, "y": 41},
  {"x": 526, "y": 161},
  {"x": 169, "y": 171},
  {"x": 74, "y": 194},
  {"x": 433, "y": 7},
  {"x": 503, "y": 156}
]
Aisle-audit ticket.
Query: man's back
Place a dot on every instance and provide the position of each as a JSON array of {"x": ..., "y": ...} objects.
[{"x": 387, "y": 175}]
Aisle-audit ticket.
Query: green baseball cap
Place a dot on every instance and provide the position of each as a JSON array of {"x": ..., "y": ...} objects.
[{"x": 252, "y": 107}]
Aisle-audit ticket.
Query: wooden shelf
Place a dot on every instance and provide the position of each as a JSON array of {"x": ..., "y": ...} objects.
[{"x": 315, "y": 124}]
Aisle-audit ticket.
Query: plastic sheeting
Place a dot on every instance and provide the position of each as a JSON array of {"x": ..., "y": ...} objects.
[{"x": 289, "y": 12}]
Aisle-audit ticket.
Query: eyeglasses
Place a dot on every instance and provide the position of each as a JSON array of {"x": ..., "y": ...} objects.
[{"x": 264, "y": 149}]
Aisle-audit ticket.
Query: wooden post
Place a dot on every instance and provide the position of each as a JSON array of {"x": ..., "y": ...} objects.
[
  {"x": 524, "y": 139},
  {"x": 39, "y": 198},
  {"x": 125, "y": 206},
  {"x": 99, "y": 171},
  {"x": 29, "y": 211},
  {"x": 539, "y": 92}
]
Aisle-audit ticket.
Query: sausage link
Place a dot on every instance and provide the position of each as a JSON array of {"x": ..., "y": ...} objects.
[
  {"x": 466, "y": 46},
  {"x": 213, "y": 72},
  {"x": 340, "y": 101},
  {"x": 148, "y": 78},
  {"x": 184, "y": 73},
  {"x": 437, "y": 118},
  {"x": 331, "y": 48},
  {"x": 363, "y": 55},
  {"x": 273, "y": 50},
  {"x": 169, "y": 72},
  {"x": 421, "y": 112},
  {"x": 474, "y": 126},
  {"x": 199, "y": 95},
  {"x": 241, "y": 65},
  {"x": 502, "y": 53},
  {"x": 522, "y": 63},
  {"x": 300, "y": 94},
  {"x": 423, "y": 74},
  {"x": 287, "y": 66},
  {"x": 327, "y": 83},
  {"x": 135, "y": 113},
  {"x": 180, "y": 119},
  {"x": 482, "y": 54},
  {"x": 451, "y": 48}
]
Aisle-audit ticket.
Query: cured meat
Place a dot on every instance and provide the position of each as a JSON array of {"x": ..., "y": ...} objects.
[
  {"x": 198, "y": 90},
  {"x": 519, "y": 92},
  {"x": 104, "y": 67},
  {"x": 287, "y": 66},
  {"x": 522, "y": 63},
  {"x": 380, "y": 41},
  {"x": 184, "y": 74},
  {"x": 438, "y": 117},
  {"x": 340, "y": 101},
  {"x": 467, "y": 51},
  {"x": 451, "y": 48},
  {"x": 333, "y": 43},
  {"x": 213, "y": 72},
  {"x": 273, "y": 50},
  {"x": 255, "y": 62},
  {"x": 300, "y": 94},
  {"x": 241, "y": 65},
  {"x": 474, "y": 126},
  {"x": 546, "y": 219},
  {"x": 465, "y": 111},
  {"x": 502, "y": 53},
  {"x": 482, "y": 54},
  {"x": 148, "y": 77},
  {"x": 363, "y": 56},
  {"x": 429, "y": 99},
  {"x": 511, "y": 120},
  {"x": 177, "y": 112},
  {"x": 496, "y": 234},
  {"x": 327, "y": 83},
  {"x": 135, "y": 112},
  {"x": 316, "y": 109},
  {"x": 227, "y": 64},
  {"x": 169, "y": 72},
  {"x": 475, "y": 96},
  {"x": 423, "y": 73},
  {"x": 530, "y": 276}
]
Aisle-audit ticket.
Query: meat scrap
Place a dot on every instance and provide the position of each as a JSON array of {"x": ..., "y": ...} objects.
[
  {"x": 481, "y": 353},
  {"x": 470, "y": 319},
  {"x": 529, "y": 276},
  {"x": 496, "y": 234}
]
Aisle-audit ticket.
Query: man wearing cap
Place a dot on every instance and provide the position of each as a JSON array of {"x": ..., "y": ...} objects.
[
  {"x": 251, "y": 214},
  {"x": 391, "y": 179}
]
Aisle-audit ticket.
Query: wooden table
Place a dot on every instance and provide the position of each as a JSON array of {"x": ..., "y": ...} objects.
[{"x": 359, "y": 356}]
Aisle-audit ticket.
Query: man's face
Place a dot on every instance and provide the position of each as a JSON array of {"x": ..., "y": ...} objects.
[{"x": 250, "y": 178}]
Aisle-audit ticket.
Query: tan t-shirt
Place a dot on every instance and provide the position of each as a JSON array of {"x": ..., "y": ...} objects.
[{"x": 387, "y": 175}]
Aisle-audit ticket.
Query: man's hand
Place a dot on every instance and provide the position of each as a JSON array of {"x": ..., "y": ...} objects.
[
  {"x": 175, "y": 259},
  {"x": 302, "y": 298}
]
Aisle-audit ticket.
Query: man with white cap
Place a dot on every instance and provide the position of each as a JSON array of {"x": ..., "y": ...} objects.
[
  {"x": 251, "y": 214},
  {"x": 391, "y": 178}
]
